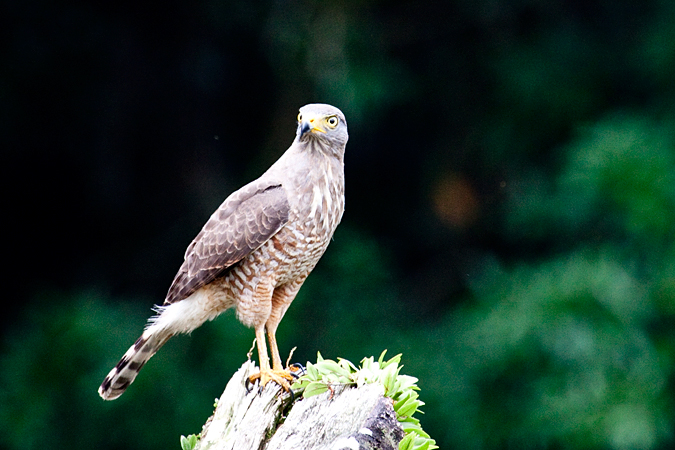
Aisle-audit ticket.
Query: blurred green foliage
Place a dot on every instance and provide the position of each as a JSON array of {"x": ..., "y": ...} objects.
[{"x": 509, "y": 223}]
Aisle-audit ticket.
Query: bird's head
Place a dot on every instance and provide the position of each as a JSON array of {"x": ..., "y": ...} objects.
[{"x": 324, "y": 124}]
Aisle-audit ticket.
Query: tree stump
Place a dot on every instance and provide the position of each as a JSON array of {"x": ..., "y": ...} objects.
[{"x": 347, "y": 418}]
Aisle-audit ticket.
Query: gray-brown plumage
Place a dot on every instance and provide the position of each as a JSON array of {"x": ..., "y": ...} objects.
[{"x": 256, "y": 250}]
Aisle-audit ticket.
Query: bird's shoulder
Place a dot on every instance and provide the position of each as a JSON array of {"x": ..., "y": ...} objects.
[{"x": 244, "y": 221}]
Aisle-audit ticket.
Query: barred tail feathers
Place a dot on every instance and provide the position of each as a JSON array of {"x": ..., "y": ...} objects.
[
  {"x": 180, "y": 317},
  {"x": 124, "y": 373}
]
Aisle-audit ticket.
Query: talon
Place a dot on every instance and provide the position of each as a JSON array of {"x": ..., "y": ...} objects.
[
  {"x": 296, "y": 370},
  {"x": 280, "y": 377}
]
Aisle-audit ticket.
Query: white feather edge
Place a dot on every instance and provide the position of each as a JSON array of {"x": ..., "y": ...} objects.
[{"x": 182, "y": 316}]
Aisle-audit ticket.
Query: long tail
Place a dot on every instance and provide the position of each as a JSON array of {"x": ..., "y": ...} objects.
[
  {"x": 179, "y": 317},
  {"x": 124, "y": 373}
]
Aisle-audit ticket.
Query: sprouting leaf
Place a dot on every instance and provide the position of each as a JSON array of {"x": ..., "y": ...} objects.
[
  {"x": 404, "y": 398},
  {"x": 408, "y": 382},
  {"x": 407, "y": 442},
  {"x": 188, "y": 443},
  {"x": 347, "y": 365},
  {"x": 408, "y": 409},
  {"x": 409, "y": 421},
  {"x": 394, "y": 360},
  {"x": 389, "y": 377},
  {"x": 424, "y": 445}
]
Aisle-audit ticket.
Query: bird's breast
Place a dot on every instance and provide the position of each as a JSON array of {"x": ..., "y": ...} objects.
[
  {"x": 322, "y": 203},
  {"x": 314, "y": 217}
]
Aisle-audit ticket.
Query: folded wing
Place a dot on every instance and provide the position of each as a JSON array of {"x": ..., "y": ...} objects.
[{"x": 244, "y": 222}]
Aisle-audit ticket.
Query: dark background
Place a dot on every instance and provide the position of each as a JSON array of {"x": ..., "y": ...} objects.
[{"x": 509, "y": 222}]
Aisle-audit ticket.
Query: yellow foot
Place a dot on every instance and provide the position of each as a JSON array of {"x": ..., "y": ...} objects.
[{"x": 281, "y": 377}]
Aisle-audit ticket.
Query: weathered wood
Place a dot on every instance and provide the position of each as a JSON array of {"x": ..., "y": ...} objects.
[
  {"x": 348, "y": 418},
  {"x": 243, "y": 420}
]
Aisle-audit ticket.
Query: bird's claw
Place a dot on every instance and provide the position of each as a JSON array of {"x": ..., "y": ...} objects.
[
  {"x": 280, "y": 377},
  {"x": 283, "y": 378},
  {"x": 296, "y": 370}
]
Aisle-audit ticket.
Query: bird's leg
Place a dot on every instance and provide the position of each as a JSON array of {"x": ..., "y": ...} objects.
[
  {"x": 262, "y": 347},
  {"x": 276, "y": 373},
  {"x": 281, "y": 299},
  {"x": 276, "y": 359}
]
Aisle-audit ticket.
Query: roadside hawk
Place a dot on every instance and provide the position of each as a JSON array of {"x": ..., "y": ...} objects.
[{"x": 256, "y": 250}]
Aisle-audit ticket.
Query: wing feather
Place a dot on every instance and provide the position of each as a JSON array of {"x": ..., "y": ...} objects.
[{"x": 245, "y": 221}]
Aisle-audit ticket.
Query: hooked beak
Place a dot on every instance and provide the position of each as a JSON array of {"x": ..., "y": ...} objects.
[{"x": 310, "y": 124}]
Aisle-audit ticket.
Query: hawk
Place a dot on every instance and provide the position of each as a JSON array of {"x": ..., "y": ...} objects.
[{"x": 256, "y": 250}]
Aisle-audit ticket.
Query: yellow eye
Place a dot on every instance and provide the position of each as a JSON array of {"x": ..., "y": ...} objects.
[
  {"x": 299, "y": 117},
  {"x": 332, "y": 121}
]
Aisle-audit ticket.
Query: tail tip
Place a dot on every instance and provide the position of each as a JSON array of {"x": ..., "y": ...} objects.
[{"x": 109, "y": 392}]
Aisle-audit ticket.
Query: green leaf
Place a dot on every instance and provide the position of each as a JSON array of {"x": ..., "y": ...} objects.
[
  {"x": 315, "y": 388},
  {"x": 329, "y": 366},
  {"x": 188, "y": 443},
  {"x": 407, "y": 442},
  {"x": 312, "y": 372},
  {"x": 347, "y": 365},
  {"x": 367, "y": 363},
  {"x": 394, "y": 360},
  {"x": 408, "y": 409},
  {"x": 402, "y": 389},
  {"x": 409, "y": 427},
  {"x": 405, "y": 421},
  {"x": 424, "y": 445},
  {"x": 300, "y": 384},
  {"x": 381, "y": 358},
  {"x": 408, "y": 382},
  {"x": 389, "y": 377},
  {"x": 403, "y": 399}
]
